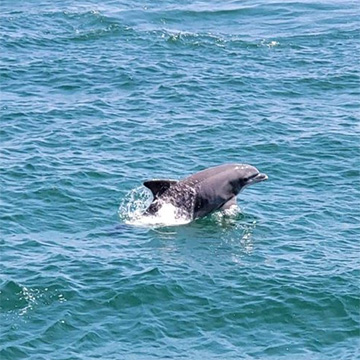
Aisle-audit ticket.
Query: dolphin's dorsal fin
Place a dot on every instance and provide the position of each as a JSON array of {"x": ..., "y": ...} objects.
[{"x": 158, "y": 187}]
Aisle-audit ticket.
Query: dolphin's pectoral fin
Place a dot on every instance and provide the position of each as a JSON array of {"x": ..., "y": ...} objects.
[
  {"x": 229, "y": 203},
  {"x": 158, "y": 187}
]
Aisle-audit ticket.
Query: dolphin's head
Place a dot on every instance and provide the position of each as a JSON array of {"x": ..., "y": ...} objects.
[{"x": 247, "y": 175}]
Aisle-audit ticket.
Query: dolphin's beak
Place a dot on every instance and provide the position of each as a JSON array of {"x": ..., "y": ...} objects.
[{"x": 259, "y": 177}]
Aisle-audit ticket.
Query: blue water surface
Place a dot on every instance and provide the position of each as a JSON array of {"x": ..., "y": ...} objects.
[{"x": 96, "y": 97}]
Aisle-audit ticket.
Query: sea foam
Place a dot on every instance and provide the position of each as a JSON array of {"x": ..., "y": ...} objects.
[{"x": 132, "y": 208}]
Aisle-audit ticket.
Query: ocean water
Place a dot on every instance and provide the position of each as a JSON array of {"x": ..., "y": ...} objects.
[{"x": 97, "y": 97}]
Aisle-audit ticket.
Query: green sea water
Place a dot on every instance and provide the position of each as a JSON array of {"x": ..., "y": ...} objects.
[{"x": 97, "y": 97}]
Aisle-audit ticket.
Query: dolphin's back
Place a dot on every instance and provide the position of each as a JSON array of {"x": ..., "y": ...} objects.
[{"x": 209, "y": 173}]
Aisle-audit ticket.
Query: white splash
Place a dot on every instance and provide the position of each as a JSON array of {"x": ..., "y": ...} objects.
[
  {"x": 137, "y": 201},
  {"x": 29, "y": 296},
  {"x": 168, "y": 215},
  {"x": 232, "y": 211},
  {"x": 269, "y": 44}
]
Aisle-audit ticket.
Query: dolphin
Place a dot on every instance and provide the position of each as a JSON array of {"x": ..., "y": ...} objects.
[{"x": 204, "y": 192}]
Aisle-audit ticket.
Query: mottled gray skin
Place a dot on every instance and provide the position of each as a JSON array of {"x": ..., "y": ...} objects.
[{"x": 204, "y": 192}]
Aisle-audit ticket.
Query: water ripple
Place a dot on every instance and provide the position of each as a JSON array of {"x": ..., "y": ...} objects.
[{"x": 96, "y": 98}]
